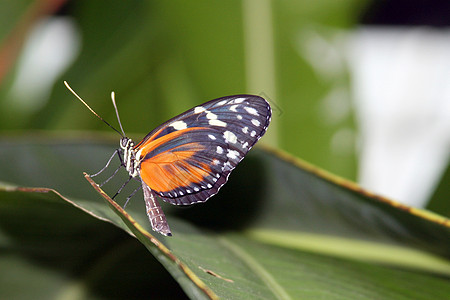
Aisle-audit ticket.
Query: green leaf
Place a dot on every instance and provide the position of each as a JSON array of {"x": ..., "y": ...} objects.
[
  {"x": 280, "y": 229},
  {"x": 49, "y": 250}
]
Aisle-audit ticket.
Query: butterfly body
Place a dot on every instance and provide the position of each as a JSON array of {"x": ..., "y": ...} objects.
[{"x": 187, "y": 159}]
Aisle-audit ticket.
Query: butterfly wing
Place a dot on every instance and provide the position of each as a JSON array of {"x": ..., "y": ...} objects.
[{"x": 189, "y": 158}]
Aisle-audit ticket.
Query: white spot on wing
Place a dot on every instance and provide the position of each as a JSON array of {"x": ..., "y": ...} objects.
[
  {"x": 256, "y": 122},
  {"x": 217, "y": 123},
  {"x": 238, "y": 100},
  {"x": 178, "y": 125},
  {"x": 219, "y": 150},
  {"x": 239, "y": 117},
  {"x": 251, "y": 110},
  {"x": 212, "y": 137},
  {"x": 233, "y": 154},
  {"x": 211, "y": 116},
  {"x": 222, "y": 102},
  {"x": 227, "y": 166},
  {"x": 230, "y": 137},
  {"x": 199, "y": 109},
  {"x": 245, "y": 129},
  {"x": 233, "y": 107},
  {"x": 209, "y": 185},
  {"x": 253, "y": 133}
]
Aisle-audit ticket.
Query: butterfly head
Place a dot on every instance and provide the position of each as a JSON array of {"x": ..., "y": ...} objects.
[
  {"x": 126, "y": 143},
  {"x": 130, "y": 160}
]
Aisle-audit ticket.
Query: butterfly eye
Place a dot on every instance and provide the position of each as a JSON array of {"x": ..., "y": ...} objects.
[{"x": 124, "y": 142}]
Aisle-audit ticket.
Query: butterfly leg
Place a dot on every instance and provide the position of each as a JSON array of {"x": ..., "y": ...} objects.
[
  {"x": 131, "y": 195},
  {"x": 117, "y": 152},
  {"x": 107, "y": 164},
  {"x": 110, "y": 177},
  {"x": 121, "y": 188},
  {"x": 154, "y": 212}
]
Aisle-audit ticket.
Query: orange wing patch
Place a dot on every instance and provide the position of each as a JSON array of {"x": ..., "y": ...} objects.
[{"x": 170, "y": 170}]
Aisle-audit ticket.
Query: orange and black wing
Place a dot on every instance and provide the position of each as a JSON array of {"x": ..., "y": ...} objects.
[{"x": 189, "y": 158}]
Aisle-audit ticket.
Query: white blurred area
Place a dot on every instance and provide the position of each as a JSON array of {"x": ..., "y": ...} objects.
[
  {"x": 49, "y": 49},
  {"x": 401, "y": 89},
  {"x": 400, "y": 96}
]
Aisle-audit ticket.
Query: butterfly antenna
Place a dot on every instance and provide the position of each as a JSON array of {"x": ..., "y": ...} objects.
[
  {"x": 92, "y": 111},
  {"x": 113, "y": 98}
]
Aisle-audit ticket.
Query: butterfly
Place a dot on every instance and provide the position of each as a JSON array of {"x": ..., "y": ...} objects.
[{"x": 187, "y": 159}]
